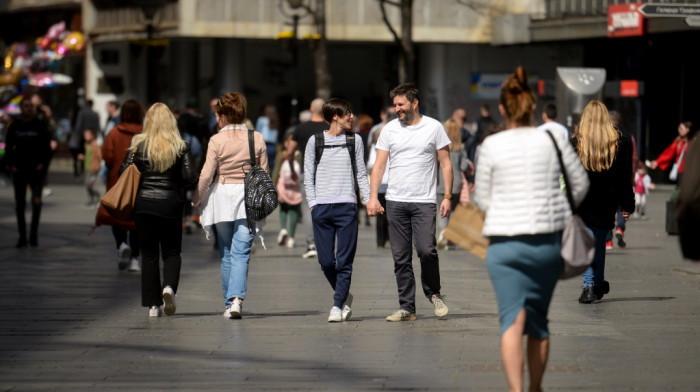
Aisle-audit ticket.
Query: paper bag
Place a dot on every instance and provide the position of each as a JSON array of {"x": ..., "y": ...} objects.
[{"x": 464, "y": 229}]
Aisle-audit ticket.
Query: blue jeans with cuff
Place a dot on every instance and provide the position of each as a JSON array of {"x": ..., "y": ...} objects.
[{"x": 235, "y": 241}]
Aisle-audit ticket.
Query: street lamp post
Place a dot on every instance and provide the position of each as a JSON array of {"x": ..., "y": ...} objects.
[
  {"x": 298, "y": 11},
  {"x": 149, "y": 9}
]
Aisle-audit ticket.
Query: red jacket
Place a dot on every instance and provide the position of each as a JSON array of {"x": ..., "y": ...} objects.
[
  {"x": 672, "y": 154},
  {"x": 115, "y": 146}
]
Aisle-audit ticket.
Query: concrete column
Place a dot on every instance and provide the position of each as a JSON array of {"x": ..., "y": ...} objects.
[{"x": 431, "y": 80}]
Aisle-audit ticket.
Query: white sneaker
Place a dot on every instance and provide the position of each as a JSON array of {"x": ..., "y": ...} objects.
[
  {"x": 282, "y": 237},
  {"x": 290, "y": 242},
  {"x": 236, "y": 308},
  {"x": 134, "y": 265},
  {"x": 310, "y": 252},
  {"x": 169, "y": 299},
  {"x": 227, "y": 312},
  {"x": 336, "y": 315},
  {"x": 124, "y": 253},
  {"x": 439, "y": 305},
  {"x": 154, "y": 311},
  {"x": 347, "y": 311}
]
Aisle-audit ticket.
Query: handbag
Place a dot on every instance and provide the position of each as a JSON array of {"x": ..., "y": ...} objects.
[
  {"x": 119, "y": 200},
  {"x": 464, "y": 229},
  {"x": 260, "y": 191},
  {"x": 577, "y": 242}
]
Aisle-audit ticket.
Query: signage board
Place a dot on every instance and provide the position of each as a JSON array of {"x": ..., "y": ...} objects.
[
  {"x": 624, "y": 20},
  {"x": 669, "y": 10}
]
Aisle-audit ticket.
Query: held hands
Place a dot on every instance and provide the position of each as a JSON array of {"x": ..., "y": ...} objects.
[
  {"x": 445, "y": 208},
  {"x": 374, "y": 208}
]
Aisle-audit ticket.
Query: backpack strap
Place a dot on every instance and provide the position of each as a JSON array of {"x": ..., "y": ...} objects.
[
  {"x": 320, "y": 144},
  {"x": 251, "y": 147},
  {"x": 350, "y": 142}
]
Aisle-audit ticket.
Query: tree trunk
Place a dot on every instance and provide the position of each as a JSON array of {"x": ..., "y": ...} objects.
[
  {"x": 407, "y": 50},
  {"x": 324, "y": 80}
]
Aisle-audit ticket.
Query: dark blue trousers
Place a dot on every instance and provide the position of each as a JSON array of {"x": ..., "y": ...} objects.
[{"x": 331, "y": 222}]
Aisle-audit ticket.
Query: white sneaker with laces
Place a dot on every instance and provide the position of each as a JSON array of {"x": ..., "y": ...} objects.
[
  {"x": 134, "y": 265},
  {"x": 439, "y": 305},
  {"x": 124, "y": 253},
  {"x": 282, "y": 237},
  {"x": 347, "y": 310},
  {"x": 154, "y": 311},
  {"x": 290, "y": 242},
  {"x": 236, "y": 308},
  {"x": 336, "y": 315},
  {"x": 169, "y": 299},
  {"x": 227, "y": 312},
  {"x": 310, "y": 252}
]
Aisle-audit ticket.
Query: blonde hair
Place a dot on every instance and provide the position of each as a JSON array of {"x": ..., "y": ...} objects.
[
  {"x": 160, "y": 138},
  {"x": 454, "y": 133},
  {"x": 597, "y": 138}
]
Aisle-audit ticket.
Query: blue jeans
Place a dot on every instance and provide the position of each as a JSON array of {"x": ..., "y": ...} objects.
[
  {"x": 234, "y": 248},
  {"x": 331, "y": 221},
  {"x": 595, "y": 274}
]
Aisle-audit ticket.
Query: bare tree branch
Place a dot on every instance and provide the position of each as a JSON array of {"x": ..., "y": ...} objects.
[{"x": 386, "y": 21}]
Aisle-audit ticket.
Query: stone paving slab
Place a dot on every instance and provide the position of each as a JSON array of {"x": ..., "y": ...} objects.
[{"x": 70, "y": 321}]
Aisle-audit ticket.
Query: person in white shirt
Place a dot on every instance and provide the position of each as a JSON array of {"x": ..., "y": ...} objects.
[
  {"x": 549, "y": 117},
  {"x": 415, "y": 143}
]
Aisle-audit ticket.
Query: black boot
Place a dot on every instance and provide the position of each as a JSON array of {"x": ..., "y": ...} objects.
[
  {"x": 587, "y": 296},
  {"x": 601, "y": 289},
  {"x": 22, "y": 227},
  {"x": 34, "y": 229}
]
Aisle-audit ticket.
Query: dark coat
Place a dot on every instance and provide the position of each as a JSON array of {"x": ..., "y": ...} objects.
[
  {"x": 169, "y": 184},
  {"x": 609, "y": 189}
]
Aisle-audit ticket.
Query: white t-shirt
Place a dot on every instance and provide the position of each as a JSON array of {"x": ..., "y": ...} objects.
[
  {"x": 555, "y": 127},
  {"x": 413, "y": 159}
]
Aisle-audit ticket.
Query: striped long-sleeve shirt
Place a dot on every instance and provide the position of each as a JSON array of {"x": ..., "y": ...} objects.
[{"x": 334, "y": 182}]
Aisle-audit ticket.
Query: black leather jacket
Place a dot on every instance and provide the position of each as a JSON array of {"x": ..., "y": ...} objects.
[{"x": 169, "y": 184}]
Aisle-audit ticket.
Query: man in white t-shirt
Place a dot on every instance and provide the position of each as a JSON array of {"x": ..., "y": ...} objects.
[
  {"x": 549, "y": 117},
  {"x": 415, "y": 144}
]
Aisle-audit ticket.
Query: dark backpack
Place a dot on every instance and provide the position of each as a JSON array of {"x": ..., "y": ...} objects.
[
  {"x": 349, "y": 144},
  {"x": 260, "y": 192}
]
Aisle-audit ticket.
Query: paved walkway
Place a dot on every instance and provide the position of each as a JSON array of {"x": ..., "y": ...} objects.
[{"x": 70, "y": 321}]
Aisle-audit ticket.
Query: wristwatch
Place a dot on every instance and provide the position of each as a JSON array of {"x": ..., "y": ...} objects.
[{"x": 448, "y": 196}]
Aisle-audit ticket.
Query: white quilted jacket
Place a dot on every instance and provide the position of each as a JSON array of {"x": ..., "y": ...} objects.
[{"x": 517, "y": 182}]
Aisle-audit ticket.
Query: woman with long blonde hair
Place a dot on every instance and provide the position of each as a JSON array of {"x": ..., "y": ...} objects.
[
  {"x": 606, "y": 155},
  {"x": 166, "y": 167},
  {"x": 517, "y": 186},
  {"x": 459, "y": 160}
]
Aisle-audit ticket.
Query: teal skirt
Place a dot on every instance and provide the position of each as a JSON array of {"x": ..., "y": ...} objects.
[{"x": 524, "y": 271}]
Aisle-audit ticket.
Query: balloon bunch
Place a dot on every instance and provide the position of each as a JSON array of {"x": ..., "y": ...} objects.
[{"x": 23, "y": 68}]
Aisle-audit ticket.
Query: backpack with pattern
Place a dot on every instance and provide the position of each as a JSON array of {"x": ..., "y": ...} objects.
[{"x": 260, "y": 191}]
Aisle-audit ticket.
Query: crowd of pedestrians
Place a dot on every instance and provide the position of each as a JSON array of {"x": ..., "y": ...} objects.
[{"x": 410, "y": 171}]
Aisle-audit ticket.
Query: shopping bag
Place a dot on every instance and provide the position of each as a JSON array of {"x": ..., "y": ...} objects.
[
  {"x": 464, "y": 229},
  {"x": 119, "y": 200}
]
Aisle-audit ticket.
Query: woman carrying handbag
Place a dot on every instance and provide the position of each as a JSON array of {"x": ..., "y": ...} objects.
[
  {"x": 517, "y": 186},
  {"x": 166, "y": 167}
]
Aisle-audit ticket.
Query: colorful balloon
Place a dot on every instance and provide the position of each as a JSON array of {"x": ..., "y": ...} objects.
[{"x": 73, "y": 39}]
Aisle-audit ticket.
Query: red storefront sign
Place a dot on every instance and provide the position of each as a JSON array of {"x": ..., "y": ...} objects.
[
  {"x": 624, "y": 20},
  {"x": 629, "y": 88}
]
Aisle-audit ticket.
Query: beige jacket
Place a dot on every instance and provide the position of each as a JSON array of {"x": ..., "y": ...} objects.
[{"x": 228, "y": 159}]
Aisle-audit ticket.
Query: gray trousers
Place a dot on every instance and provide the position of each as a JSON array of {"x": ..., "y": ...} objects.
[{"x": 413, "y": 224}]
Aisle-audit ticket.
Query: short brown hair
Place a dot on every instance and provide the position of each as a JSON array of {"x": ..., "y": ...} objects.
[
  {"x": 232, "y": 107},
  {"x": 408, "y": 90},
  {"x": 336, "y": 106},
  {"x": 132, "y": 112}
]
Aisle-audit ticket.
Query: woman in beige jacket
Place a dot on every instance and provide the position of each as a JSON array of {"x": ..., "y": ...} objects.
[{"x": 221, "y": 194}]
